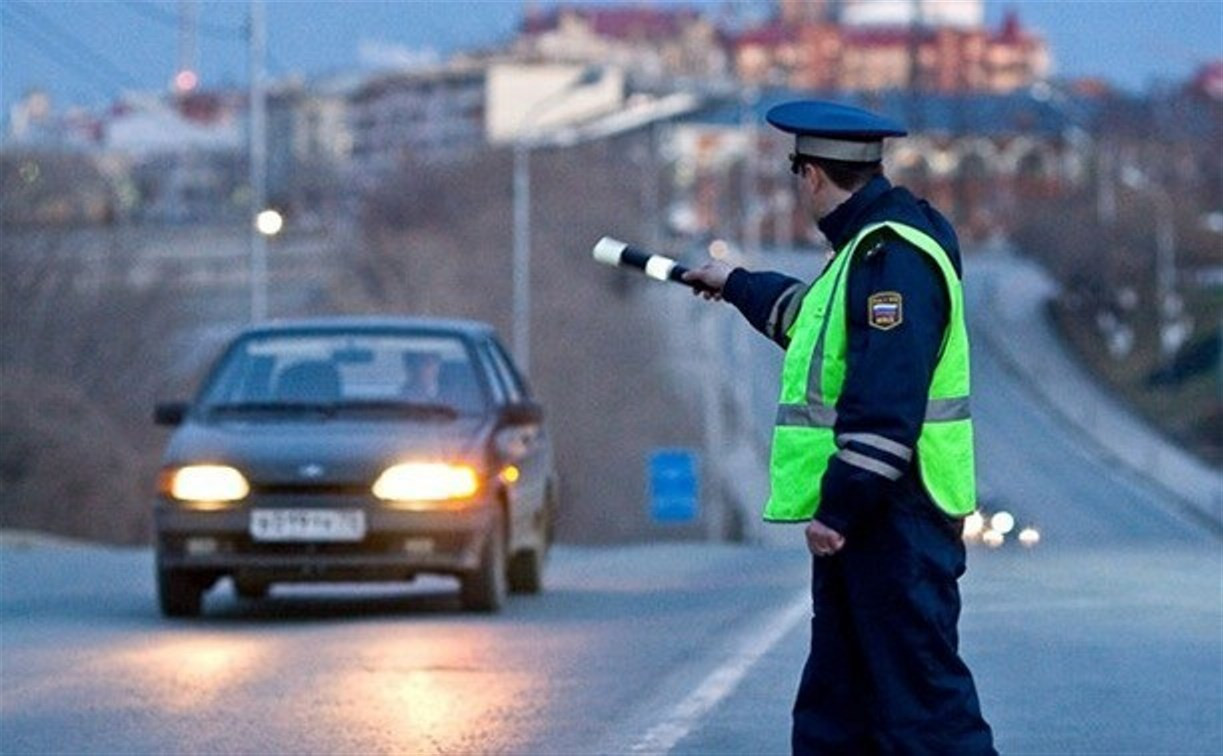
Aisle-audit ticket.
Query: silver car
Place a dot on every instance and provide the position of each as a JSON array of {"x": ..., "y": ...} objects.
[{"x": 350, "y": 449}]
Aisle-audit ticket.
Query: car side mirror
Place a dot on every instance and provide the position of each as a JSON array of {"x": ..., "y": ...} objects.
[
  {"x": 170, "y": 413},
  {"x": 522, "y": 413}
]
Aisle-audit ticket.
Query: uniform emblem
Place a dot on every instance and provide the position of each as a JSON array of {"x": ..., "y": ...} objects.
[{"x": 884, "y": 310}]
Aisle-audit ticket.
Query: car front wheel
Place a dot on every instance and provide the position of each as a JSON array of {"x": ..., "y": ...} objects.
[
  {"x": 484, "y": 589},
  {"x": 527, "y": 566},
  {"x": 527, "y": 571},
  {"x": 179, "y": 593}
]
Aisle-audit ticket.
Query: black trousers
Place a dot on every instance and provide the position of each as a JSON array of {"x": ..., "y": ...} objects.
[{"x": 884, "y": 675}]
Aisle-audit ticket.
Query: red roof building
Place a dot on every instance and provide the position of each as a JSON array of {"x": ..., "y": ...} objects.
[
  {"x": 805, "y": 45},
  {"x": 1208, "y": 81},
  {"x": 826, "y": 55}
]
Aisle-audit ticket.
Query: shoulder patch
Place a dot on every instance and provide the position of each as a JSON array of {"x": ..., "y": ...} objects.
[{"x": 885, "y": 310}]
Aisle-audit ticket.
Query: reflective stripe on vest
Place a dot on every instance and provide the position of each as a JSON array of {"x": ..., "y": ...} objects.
[{"x": 813, "y": 375}]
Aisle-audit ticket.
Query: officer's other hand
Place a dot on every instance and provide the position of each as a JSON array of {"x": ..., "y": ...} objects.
[
  {"x": 712, "y": 275},
  {"x": 823, "y": 540}
]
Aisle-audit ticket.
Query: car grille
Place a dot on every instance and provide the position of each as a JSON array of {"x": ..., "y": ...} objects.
[{"x": 311, "y": 489}]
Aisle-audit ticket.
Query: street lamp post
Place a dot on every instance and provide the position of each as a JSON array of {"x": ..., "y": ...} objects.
[
  {"x": 522, "y": 255},
  {"x": 258, "y": 164},
  {"x": 1172, "y": 326},
  {"x": 523, "y": 142}
]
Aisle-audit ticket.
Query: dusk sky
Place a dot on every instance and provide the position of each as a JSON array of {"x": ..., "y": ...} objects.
[{"x": 87, "y": 52}]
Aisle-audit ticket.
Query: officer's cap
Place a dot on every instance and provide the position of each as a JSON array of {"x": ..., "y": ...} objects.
[{"x": 834, "y": 131}]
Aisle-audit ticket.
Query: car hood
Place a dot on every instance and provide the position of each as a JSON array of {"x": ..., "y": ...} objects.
[{"x": 325, "y": 452}]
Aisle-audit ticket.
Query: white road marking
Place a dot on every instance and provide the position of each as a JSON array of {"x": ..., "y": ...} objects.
[{"x": 721, "y": 682}]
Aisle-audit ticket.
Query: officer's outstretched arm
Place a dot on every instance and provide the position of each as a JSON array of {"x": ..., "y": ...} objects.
[{"x": 770, "y": 301}]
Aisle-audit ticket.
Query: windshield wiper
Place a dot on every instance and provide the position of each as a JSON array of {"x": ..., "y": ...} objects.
[
  {"x": 238, "y": 408},
  {"x": 411, "y": 409}
]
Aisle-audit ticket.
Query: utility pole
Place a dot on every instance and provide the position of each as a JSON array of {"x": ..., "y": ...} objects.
[
  {"x": 258, "y": 162},
  {"x": 1106, "y": 191},
  {"x": 653, "y": 191},
  {"x": 1174, "y": 327},
  {"x": 525, "y": 140},
  {"x": 521, "y": 276},
  {"x": 187, "y": 75},
  {"x": 749, "y": 99},
  {"x": 917, "y": 31}
]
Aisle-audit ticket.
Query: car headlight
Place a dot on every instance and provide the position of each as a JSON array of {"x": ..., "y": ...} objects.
[
  {"x": 411, "y": 482},
  {"x": 206, "y": 484}
]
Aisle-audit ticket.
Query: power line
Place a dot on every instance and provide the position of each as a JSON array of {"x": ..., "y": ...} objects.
[
  {"x": 156, "y": 14},
  {"x": 41, "y": 25},
  {"x": 223, "y": 32},
  {"x": 54, "y": 50}
]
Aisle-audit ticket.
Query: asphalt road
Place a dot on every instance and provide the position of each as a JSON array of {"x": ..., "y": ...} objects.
[
  {"x": 89, "y": 667},
  {"x": 1106, "y": 638}
]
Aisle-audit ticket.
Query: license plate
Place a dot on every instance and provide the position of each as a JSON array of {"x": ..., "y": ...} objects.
[{"x": 307, "y": 524}]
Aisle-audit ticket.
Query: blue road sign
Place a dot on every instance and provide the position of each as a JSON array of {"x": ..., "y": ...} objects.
[{"x": 673, "y": 485}]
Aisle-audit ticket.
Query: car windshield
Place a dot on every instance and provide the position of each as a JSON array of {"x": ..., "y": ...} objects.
[{"x": 389, "y": 375}]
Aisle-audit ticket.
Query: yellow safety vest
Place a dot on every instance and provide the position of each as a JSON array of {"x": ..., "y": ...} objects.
[{"x": 804, "y": 437}]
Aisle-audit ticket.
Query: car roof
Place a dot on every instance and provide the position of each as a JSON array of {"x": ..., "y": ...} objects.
[{"x": 350, "y": 323}]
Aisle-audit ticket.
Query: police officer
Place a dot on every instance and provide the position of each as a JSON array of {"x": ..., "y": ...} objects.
[{"x": 872, "y": 446}]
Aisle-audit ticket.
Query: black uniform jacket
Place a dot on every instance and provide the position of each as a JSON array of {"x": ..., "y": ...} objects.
[{"x": 890, "y": 364}]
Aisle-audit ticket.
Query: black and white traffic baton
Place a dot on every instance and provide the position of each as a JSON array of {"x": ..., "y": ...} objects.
[{"x": 611, "y": 251}]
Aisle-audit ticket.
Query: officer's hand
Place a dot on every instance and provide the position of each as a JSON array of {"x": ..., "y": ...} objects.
[
  {"x": 823, "y": 540},
  {"x": 712, "y": 275}
]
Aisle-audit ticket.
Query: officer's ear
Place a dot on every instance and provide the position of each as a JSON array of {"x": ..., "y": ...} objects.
[{"x": 813, "y": 175}]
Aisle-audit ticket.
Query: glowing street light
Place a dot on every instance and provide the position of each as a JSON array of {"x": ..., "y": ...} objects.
[
  {"x": 186, "y": 81},
  {"x": 269, "y": 222}
]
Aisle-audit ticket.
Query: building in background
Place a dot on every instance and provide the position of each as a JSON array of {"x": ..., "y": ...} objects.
[
  {"x": 425, "y": 115},
  {"x": 528, "y": 98},
  {"x": 969, "y": 95},
  {"x": 185, "y": 156},
  {"x": 1207, "y": 82},
  {"x": 845, "y": 45},
  {"x": 953, "y": 14},
  {"x": 874, "y": 47},
  {"x": 655, "y": 45},
  {"x": 309, "y": 146},
  {"x": 974, "y": 155}
]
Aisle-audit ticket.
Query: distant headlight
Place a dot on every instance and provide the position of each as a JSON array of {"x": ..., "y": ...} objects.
[
  {"x": 426, "y": 481},
  {"x": 1003, "y": 522},
  {"x": 206, "y": 483}
]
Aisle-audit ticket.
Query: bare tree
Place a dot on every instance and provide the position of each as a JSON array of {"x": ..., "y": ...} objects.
[{"x": 81, "y": 361}]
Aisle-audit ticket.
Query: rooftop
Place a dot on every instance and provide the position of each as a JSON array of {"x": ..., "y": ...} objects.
[
  {"x": 1019, "y": 112},
  {"x": 619, "y": 22}
]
